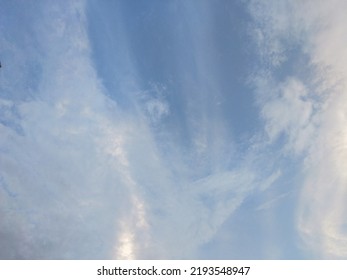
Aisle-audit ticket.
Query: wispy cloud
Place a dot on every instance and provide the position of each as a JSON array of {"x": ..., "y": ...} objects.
[
  {"x": 311, "y": 112},
  {"x": 86, "y": 178}
]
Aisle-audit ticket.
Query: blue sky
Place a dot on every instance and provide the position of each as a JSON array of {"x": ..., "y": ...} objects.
[{"x": 173, "y": 129}]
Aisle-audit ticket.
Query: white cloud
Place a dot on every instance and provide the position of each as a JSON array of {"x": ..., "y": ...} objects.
[
  {"x": 272, "y": 202},
  {"x": 289, "y": 111},
  {"x": 312, "y": 112},
  {"x": 153, "y": 104},
  {"x": 157, "y": 109},
  {"x": 82, "y": 177},
  {"x": 64, "y": 163},
  {"x": 87, "y": 177},
  {"x": 270, "y": 180}
]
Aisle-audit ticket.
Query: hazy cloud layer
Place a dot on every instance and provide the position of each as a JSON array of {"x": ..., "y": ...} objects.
[{"x": 103, "y": 156}]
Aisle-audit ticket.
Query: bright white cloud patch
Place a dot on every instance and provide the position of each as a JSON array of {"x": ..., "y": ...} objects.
[{"x": 289, "y": 112}]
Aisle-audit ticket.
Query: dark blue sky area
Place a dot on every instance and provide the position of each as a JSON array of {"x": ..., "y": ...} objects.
[{"x": 197, "y": 50}]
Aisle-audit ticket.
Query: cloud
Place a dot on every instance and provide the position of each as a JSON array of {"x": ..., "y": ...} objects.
[
  {"x": 153, "y": 104},
  {"x": 288, "y": 111},
  {"x": 311, "y": 112},
  {"x": 272, "y": 202},
  {"x": 270, "y": 180},
  {"x": 60, "y": 174},
  {"x": 83, "y": 177},
  {"x": 136, "y": 170}
]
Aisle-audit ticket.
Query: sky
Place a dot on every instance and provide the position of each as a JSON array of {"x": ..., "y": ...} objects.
[{"x": 173, "y": 129}]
